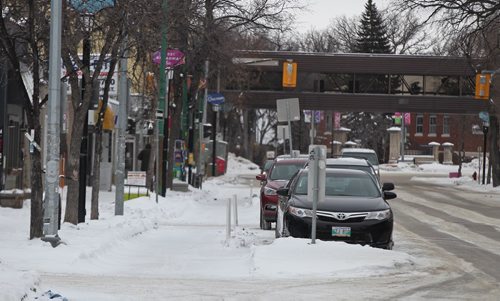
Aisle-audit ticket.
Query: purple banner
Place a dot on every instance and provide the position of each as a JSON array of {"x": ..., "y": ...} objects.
[{"x": 175, "y": 58}]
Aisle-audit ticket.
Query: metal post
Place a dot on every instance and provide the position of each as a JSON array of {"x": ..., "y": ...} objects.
[
  {"x": 161, "y": 112},
  {"x": 315, "y": 191},
  {"x": 235, "y": 209},
  {"x": 228, "y": 219},
  {"x": 82, "y": 195},
  {"x": 214, "y": 140},
  {"x": 289, "y": 126},
  {"x": 403, "y": 137},
  {"x": 121, "y": 130},
  {"x": 199, "y": 168},
  {"x": 485, "y": 132},
  {"x": 50, "y": 221},
  {"x": 313, "y": 129}
]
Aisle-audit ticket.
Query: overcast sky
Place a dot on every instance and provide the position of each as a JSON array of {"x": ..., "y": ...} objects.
[{"x": 322, "y": 11}]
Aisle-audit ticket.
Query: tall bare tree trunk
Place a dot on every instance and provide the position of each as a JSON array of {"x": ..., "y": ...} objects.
[{"x": 96, "y": 178}]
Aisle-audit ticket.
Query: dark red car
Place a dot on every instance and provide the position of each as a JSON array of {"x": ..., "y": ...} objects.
[{"x": 278, "y": 175}]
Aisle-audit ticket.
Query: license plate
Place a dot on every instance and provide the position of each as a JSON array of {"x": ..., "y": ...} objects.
[{"x": 341, "y": 231}]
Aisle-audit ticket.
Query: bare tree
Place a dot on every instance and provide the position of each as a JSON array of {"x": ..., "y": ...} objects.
[
  {"x": 23, "y": 40},
  {"x": 478, "y": 21}
]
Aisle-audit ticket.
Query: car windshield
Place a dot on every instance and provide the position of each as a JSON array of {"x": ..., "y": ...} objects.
[
  {"x": 367, "y": 169},
  {"x": 343, "y": 185},
  {"x": 371, "y": 157},
  {"x": 267, "y": 165},
  {"x": 284, "y": 171}
]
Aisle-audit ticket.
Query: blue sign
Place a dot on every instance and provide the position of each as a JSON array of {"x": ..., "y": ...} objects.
[
  {"x": 484, "y": 116},
  {"x": 91, "y": 6},
  {"x": 215, "y": 98}
]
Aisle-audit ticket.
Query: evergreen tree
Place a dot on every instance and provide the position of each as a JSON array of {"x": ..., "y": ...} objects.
[
  {"x": 372, "y": 34},
  {"x": 367, "y": 127}
]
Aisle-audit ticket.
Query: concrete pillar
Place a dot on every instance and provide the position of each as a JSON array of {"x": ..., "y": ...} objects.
[
  {"x": 340, "y": 134},
  {"x": 448, "y": 153},
  {"x": 337, "y": 146},
  {"x": 394, "y": 144},
  {"x": 435, "y": 150}
]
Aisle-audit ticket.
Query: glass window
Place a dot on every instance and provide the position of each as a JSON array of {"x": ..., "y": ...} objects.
[
  {"x": 343, "y": 185},
  {"x": 446, "y": 124},
  {"x": 420, "y": 123},
  {"x": 432, "y": 124},
  {"x": 284, "y": 171}
]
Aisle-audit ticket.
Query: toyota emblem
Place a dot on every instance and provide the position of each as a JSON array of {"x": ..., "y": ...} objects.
[{"x": 341, "y": 216}]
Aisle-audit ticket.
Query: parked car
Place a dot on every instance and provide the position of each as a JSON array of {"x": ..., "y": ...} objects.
[
  {"x": 363, "y": 153},
  {"x": 280, "y": 172},
  {"x": 355, "y": 210},
  {"x": 353, "y": 163}
]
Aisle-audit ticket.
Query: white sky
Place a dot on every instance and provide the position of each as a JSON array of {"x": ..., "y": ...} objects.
[
  {"x": 322, "y": 11},
  {"x": 154, "y": 250}
]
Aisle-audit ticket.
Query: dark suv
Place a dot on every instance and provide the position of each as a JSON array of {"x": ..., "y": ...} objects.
[{"x": 278, "y": 175}]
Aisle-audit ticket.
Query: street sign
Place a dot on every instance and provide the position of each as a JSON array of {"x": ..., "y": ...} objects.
[
  {"x": 215, "y": 98},
  {"x": 282, "y": 132},
  {"x": 484, "y": 116},
  {"x": 91, "y": 6},
  {"x": 175, "y": 58},
  {"x": 288, "y": 109}
]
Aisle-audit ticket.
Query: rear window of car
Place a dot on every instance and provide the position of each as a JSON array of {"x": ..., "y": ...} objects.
[
  {"x": 367, "y": 169},
  {"x": 343, "y": 185},
  {"x": 371, "y": 157},
  {"x": 285, "y": 171}
]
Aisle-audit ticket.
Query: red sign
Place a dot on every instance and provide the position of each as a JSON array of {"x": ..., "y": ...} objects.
[{"x": 175, "y": 58}]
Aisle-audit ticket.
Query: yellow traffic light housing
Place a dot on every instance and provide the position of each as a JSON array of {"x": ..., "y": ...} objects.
[
  {"x": 289, "y": 75},
  {"x": 483, "y": 86}
]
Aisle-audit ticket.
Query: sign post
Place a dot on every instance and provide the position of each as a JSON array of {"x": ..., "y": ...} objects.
[
  {"x": 316, "y": 181},
  {"x": 216, "y": 100},
  {"x": 288, "y": 110}
]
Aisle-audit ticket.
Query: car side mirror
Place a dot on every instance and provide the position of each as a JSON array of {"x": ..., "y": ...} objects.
[
  {"x": 283, "y": 191},
  {"x": 261, "y": 177},
  {"x": 389, "y": 195},
  {"x": 388, "y": 187}
]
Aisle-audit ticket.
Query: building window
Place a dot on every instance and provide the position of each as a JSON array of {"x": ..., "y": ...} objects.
[
  {"x": 432, "y": 125},
  {"x": 419, "y": 120},
  {"x": 446, "y": 125}
]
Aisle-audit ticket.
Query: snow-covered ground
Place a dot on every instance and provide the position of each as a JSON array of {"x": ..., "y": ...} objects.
[{"x": 183, "y": 236}]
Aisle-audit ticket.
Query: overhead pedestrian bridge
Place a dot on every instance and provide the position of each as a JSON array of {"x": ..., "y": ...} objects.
[{"x": 358, "y": 82}]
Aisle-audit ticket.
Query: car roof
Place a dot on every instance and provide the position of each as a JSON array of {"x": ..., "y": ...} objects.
[
  {"x": 358, "y": 150},
  {"x": 347, "y": 161},
  {"x": 291, "y": 160},
  {"x": 343, "y": 171}
]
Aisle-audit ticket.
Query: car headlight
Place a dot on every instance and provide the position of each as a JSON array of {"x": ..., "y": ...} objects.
[
  {"x": 269, "y": 191},
  {"x": 300, "y": 212},
  {"x": 379, "y": 215}
]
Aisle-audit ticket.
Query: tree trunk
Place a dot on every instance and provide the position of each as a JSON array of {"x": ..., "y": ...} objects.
[
  {"x": 96, "y": 178},
  {"x": 36, "y": 222},
  {"x": 73, "y": 164},
  {"x": 176, "y": 126}
]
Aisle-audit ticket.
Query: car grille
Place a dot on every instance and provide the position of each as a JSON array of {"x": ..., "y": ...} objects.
[{"x": 341, "y": 217}]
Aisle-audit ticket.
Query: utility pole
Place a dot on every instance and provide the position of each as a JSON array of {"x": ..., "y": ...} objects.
[
  {"x": 121, "y": 130},
  {"x": 51, "y": 220},
  {"x": 162, "y": 111}
]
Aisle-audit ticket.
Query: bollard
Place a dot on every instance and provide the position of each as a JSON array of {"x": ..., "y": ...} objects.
[
  {"x": 235, "y": 209},
  {"x": 251, "y": 189},
  {"x": 228, "y": 220}
]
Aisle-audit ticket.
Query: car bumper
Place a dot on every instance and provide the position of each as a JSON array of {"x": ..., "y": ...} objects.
[{"x": 371, "y": 232}]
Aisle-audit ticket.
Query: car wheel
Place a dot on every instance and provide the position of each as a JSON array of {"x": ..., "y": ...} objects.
[{"x": 265, "y": 225}]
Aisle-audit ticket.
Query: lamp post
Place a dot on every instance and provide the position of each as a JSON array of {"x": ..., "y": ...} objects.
[
  {"x": 50, "y": 220},
  {"x": 162, "y": 111}
]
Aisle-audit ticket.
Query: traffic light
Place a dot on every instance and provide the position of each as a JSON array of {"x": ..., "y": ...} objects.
[
  {"x": 289, "y": 74},
  {"x": 207, "y": 131},
  {"x": 131, "y": 126},
  {"x": 483, "y": 86}
]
